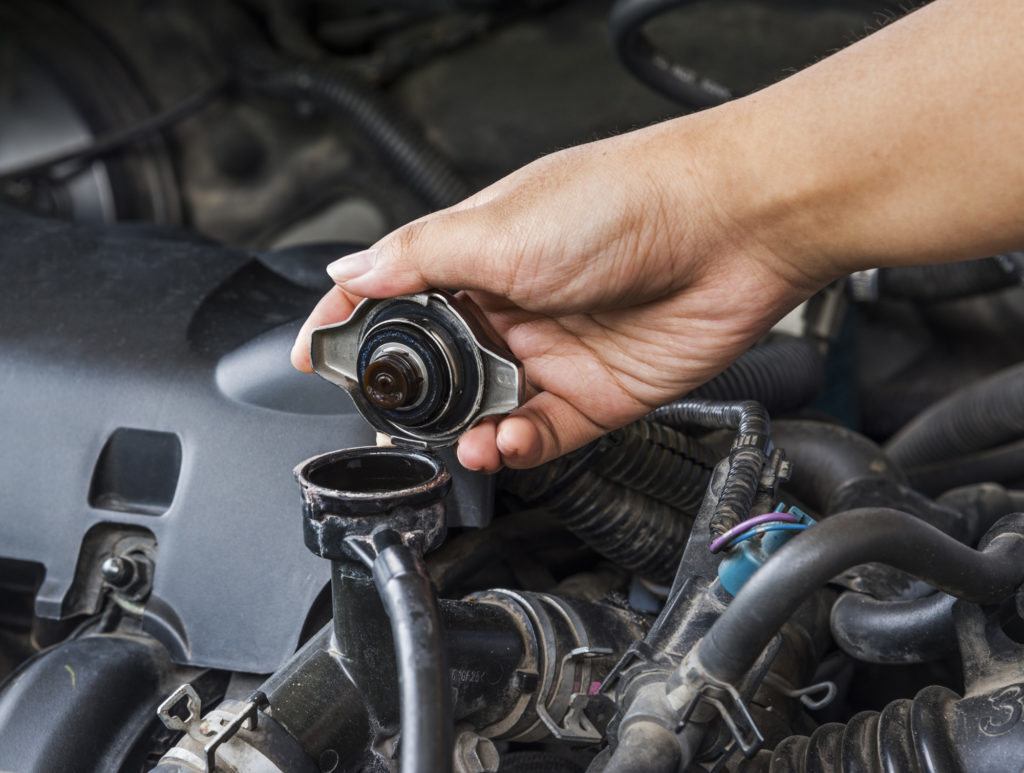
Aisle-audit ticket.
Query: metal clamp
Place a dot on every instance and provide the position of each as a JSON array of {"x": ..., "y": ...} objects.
[
  {"x": 575, "y": 725},
  {"x": 726, "y": 700},
  {"x": 637, "y": 651},
  {"x": 247, "y": 717}
]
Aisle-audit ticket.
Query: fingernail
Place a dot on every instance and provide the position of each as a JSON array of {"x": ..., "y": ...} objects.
[
  {"x": 505, "y": 447},
  {"x": 352, "y": 266}
]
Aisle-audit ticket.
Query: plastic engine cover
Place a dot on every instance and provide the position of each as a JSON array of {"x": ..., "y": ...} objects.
[{"x": 146, "y": 383}]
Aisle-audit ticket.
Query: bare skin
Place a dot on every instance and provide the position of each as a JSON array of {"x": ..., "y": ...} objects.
[{"x": 625, "y": 272}]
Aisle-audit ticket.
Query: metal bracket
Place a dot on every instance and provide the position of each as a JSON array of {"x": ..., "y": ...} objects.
[
  {"x": 247, "y": 716},
  {"x": 193, "y": 705},
  {"x": 575, "y": 725}
]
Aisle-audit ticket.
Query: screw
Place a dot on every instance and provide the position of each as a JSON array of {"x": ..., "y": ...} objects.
[{"x": 117, "y": 571}]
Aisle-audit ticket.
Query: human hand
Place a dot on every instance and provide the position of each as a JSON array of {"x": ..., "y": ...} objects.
[
  {"x": 608, "y": 270},
  {"x": 625, "y": 272}
]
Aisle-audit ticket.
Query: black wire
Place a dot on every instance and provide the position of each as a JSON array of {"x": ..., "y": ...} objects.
[
  {"x": 424, "y": 684},
  {"x": 652, "y": 66},
  {"x": 119, "y": 138}
]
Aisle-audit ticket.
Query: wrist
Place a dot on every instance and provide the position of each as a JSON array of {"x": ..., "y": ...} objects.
[{"x": 740, "y": 204}]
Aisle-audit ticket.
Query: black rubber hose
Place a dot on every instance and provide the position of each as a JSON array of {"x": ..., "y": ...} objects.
[
  {"x": 912, "y": 631},
  {"x": 980, "y": 506},
  {"x": 985, "y": 414},
  {"x": 403, "y": 147},
  {"x": 945, "y": 281},
  {"x": 918, "y": 630},
  {"x": 424, "y": 686},
  {"x": 811, "y": 559},
  {"x": 1004, "y": 464},
  {"x": 783, "y": 373},
  {"x": 651, "y": 66},
  {"x": 826, "y": 457}
]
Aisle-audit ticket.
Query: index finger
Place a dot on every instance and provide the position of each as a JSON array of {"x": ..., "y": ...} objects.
[{"x": 335, "y": 306}]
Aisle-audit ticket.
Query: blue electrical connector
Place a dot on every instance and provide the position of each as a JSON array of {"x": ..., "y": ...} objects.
[{"x": 748, "y": 551}]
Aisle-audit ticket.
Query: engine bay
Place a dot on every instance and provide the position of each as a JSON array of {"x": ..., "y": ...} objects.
[{"x": 212, "y": 562}]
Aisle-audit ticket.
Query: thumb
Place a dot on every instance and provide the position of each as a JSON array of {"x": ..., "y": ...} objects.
[{"x": 451, "y": 249}]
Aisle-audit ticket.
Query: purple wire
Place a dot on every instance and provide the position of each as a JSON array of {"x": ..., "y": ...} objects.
[{"x": 720, "y": 542}]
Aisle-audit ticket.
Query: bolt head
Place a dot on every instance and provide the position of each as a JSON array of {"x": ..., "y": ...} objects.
[{"x": 117, "y": 571}]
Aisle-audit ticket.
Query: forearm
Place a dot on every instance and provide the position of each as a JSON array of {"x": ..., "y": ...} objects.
[
  {"x": 626, "y": 272},
  {"x": 907, "y": 147}
]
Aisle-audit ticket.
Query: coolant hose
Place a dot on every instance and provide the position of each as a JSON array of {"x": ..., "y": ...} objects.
[
  {"x": 413, "y": 158},
  {"x": 910, "y": 631},
  {"x": 1003, "y": 464},
  {"x": 651, "y": 66},
  {"x": 424, "y": 687},
  {"x": 811, "y": 559},
  {"x": 826, "y": 457},
  {"x": 985, "y": 414},
  {"x": 783, "y": 373},
  {"x": 918, "y": 630},
  {"x": 945, "y": 281},
  {"x": 651, "y": 749}
]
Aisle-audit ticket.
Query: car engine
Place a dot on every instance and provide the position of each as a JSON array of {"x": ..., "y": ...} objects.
[{"x": 212, "y": 562}]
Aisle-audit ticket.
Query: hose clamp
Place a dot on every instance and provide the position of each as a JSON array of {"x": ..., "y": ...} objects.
[{"x": 698, "y": 687}]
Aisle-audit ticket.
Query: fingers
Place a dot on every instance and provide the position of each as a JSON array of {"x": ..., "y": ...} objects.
[
  {"x": 478, "y": 449},
  {"x": 333, "y": 307},
  {"x": 542, "y": 429},
  {"x": 449, "y": 249}
]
